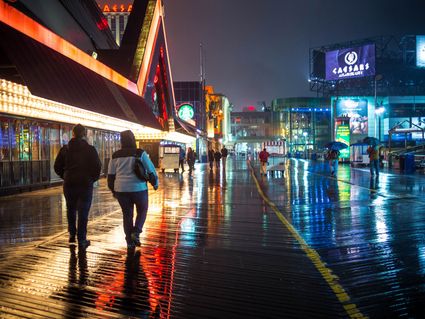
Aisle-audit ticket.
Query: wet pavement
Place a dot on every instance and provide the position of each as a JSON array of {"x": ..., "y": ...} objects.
[{"x": 228, "y": 244}]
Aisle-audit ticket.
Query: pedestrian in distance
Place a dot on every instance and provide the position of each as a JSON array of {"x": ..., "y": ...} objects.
[
  {"x": 224, "y": 154},
  {"x": 78, "y": 164},
  {"x": 181, "y": 159},
  {"x": 332, "y": 156},
  {"x": 129, "y": 189},
  {"x": 264, "y": 158},
  {"x": 373, "y": 160},
  {"x": 190, "y": 158},
  {"x": 217, "y": 158},
  {"x": 211, "y": 158}
]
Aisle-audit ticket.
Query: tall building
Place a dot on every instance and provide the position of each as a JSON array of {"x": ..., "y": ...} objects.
[{"x": 117, "y": 16}]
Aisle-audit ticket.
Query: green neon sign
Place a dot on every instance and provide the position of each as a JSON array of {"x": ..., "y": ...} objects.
[
  {"x": 343, "y": 136},
  {"x": 186, "y": 112}
]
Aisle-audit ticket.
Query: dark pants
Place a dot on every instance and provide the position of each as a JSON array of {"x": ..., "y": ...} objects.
[
  {"x": 211, "y": 164},
  {"x": 181, "y": 164},
  {"x": 78, "y": 201},
  {"x": 127, "y": 200},
  {"x": 374, "y": 167},
  {"x": 191, "y": 165}
]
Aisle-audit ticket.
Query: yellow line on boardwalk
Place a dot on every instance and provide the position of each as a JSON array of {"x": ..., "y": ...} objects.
[{"x": 326, "y": 273}]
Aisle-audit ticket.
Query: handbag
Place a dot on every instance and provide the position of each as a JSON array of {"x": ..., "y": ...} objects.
[{"x": 140, "y": 170}]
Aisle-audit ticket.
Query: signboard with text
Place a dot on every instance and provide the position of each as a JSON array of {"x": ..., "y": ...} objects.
[
  {"x": 343, "y": 136},
  {"x": 356, "y": 110},
  {"x": 350, "y": 63}
]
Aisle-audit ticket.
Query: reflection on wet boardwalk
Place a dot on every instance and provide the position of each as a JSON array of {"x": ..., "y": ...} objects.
[{"x": 212, "y": 247}]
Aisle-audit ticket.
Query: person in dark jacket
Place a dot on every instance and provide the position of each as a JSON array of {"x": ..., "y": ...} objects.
[
  {"x": 78, "y": 164},
  {"x": 211, "y": 158},
  {"x": 181, "y": 159},
  {"x": 224, "y": 154},
  {"x": 217, "y": 157},
  {"x": 190, "y": 158},
  {"x": 129, "y": 189}
]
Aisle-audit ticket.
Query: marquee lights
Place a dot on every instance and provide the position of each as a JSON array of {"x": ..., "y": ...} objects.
[{"x": 16, "y": 99}]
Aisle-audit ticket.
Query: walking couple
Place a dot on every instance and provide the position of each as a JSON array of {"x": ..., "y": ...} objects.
[{"x": 78, "y": 164}]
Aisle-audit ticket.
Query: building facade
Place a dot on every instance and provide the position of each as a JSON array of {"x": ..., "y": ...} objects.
[
  {"x": 249, "y": 130},
  {"x": 305, "y": 123},
  {"x": 59, "y": 76}
]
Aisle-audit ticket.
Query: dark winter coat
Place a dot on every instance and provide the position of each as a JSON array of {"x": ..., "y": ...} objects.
[
  {"x": 210, "y": 155},
  {"x": 78, "y": 163}
]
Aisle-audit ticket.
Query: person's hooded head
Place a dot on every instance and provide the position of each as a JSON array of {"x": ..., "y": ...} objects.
[
  {"x": 128, "y": 140},
  {"x": 78, "y": 131}
]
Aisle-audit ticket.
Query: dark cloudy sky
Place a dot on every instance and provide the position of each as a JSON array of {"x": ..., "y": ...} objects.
[{"x": 259, "y": 49}]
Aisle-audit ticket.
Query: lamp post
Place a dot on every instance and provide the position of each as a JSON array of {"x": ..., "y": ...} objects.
[
  {"x": 378, "y": 113},
  {"x": 378, "y": 77}
]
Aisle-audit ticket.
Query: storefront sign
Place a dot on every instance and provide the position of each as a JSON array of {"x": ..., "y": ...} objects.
[
  {"x": 186, "y": 112},
  {"x": 356, "y": 110},
  {"x": 343, "y": 136},
  {"x": 350, "y": 63},
  {"x": 117, "y": 8}
]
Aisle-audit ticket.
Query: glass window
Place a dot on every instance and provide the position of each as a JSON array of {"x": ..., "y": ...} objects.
[
  {"x": 4, "y": 139},
  {"x": 35, "y": 142},
  {"x": 55, "y": 146},
  {"x": 44, "y": 142},
  {"x": 20, "y": 139}
]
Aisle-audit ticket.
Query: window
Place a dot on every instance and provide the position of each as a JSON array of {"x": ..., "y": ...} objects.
[{"x": 4, "y": 140}]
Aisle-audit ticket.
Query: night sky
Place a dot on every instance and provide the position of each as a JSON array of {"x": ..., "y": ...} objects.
[{"x": 259, "y": 50}]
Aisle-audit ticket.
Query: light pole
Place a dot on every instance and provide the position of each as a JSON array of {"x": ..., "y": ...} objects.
[
  {"x": 378, "y": 77},
  {"x": 378, "y": 113}
]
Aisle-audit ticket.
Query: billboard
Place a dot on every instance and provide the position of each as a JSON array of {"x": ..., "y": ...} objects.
[
  {"x": 356, "y": 110},
  {"x": 420, "y": 51},
  {"x": 343, "y": 136},
  {"x": 350, "y": 63}
]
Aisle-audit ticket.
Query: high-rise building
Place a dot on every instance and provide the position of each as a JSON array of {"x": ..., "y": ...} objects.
[{"x": 117, "y": 17}]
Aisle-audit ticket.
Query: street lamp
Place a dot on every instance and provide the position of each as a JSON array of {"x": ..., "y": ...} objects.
[
  {"x": 378, "y": 113},
  {"x": 378, "y": 77}
]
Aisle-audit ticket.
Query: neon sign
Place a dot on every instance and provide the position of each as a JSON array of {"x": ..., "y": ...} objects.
[
  {"x": 117, "y": 8},
  {"x": 186, "y": 112}
]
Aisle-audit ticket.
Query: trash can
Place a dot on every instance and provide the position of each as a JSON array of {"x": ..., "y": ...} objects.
[
  {"x": 409, "y": 163},
  {"x": 204, "y": 159}
]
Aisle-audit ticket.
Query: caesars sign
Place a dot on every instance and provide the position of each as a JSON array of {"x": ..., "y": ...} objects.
[{"x": 350, "y": 63}]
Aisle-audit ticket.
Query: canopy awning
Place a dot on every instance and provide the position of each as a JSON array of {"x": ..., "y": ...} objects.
[{"x": 50, "y": 74}]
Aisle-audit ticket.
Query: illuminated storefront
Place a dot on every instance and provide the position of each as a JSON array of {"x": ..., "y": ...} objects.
[{"x": 66, "y": 84}]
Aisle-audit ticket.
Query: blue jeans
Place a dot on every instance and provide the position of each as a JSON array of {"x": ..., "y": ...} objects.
[
  {"x": 334, "y": 166},
  {"x": 78, "y": 201},
  {"x": 127, "y": 200},
  {"x": 374, "y": 166}
]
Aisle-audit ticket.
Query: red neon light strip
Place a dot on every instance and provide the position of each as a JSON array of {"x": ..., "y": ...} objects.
[{"x": 22, "y": 23}]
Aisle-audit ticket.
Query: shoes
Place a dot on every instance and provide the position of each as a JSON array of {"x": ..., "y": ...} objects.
[
  {"x": 72, "y": 240},
  {"x": 83, "y": 244},
  {"x": 136, "y": 240}
]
